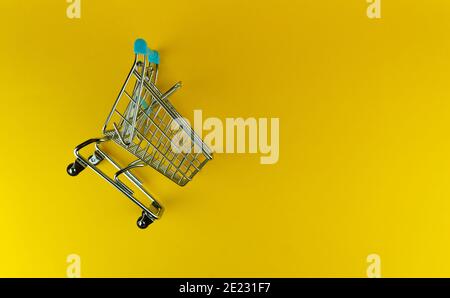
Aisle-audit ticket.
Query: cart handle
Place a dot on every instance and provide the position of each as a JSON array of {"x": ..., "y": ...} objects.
[
  {"x": 153, "y": 56},
  {"x": 141, "y": 48}
]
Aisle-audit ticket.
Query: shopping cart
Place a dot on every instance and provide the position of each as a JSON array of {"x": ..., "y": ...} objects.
[{"x": 144, "y": 123}]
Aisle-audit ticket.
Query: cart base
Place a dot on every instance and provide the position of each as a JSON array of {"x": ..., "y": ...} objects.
[{"x": 148, "y": 216}]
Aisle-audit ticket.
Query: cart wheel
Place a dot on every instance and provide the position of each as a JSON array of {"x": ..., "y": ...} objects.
[
  {"x": 95, "y": 159},
  {"x": 75, "y": 168},
  {"x": 144, "y": 221}
]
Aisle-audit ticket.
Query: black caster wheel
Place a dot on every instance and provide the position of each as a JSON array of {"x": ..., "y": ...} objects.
[
  {"x": 144, "y": 221},
  {"x": 75, "y": 168},
  {"x": 95, "y": 159}
]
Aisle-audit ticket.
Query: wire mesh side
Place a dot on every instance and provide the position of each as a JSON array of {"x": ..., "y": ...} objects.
[{"x": 159, "y": 136}]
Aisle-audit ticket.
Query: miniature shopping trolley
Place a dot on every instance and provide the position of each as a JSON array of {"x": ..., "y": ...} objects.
[{"x": 144, "y": 123}]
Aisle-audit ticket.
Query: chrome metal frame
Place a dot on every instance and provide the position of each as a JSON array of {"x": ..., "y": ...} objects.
[{"x": 144, "y": 123}]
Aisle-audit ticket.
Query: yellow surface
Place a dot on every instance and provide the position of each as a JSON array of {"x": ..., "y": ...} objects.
[{"x": 364, "y": 138}]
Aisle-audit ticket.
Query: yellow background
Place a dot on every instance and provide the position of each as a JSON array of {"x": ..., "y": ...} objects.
[{"x": 364, "y": 148}]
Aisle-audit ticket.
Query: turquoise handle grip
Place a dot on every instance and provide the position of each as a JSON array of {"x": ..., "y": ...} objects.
[
  {"x": 153, "y": 56},
  {"x": 141, "y": 48}
]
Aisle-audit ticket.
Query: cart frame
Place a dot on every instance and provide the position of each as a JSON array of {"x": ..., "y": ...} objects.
[{"x": 146, "y": 125}]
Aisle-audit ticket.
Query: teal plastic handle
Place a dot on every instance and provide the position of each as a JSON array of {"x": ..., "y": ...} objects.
[
  {"x": 141, "y": 48},
  {"x": 153, "y": 56}
]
